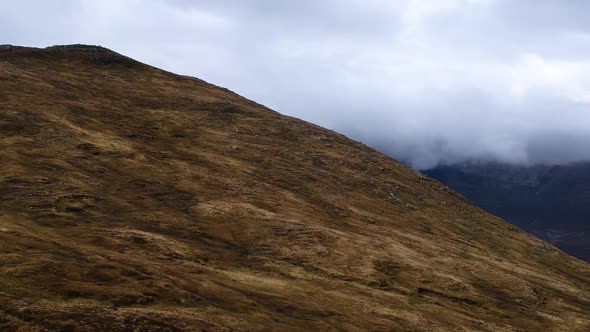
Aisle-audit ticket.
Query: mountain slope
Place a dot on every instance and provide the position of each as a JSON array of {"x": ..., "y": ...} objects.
[
  {"x": 548, "y": 201},
  {"x": 134, "y": 198}
]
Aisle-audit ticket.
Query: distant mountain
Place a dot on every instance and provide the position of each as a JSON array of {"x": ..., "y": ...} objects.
[{"x": 551, "y": 202}]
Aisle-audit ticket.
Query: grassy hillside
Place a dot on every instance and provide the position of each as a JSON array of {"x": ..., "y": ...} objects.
[{"x": 131, "y": 198}]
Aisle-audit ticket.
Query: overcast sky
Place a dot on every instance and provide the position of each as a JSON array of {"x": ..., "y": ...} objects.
[{"x": 425, "y": 81}]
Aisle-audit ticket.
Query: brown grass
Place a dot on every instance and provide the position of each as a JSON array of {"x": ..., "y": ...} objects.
[{"x": 132, "y": 198}]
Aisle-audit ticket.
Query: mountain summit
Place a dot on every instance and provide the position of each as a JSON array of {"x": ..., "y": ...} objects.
[{"x": 133, "y": 198}]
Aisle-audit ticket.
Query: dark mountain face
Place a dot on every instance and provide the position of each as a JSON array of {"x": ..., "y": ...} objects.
[{"x": 551, "y": 202}]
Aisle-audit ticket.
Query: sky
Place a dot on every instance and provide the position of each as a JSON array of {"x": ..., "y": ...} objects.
[{"x": 425, "y": 81}]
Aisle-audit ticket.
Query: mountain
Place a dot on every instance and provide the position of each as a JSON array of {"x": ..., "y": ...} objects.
[
  {"x": 551, "y": 202},
  {"x": 135, "y": 199}
]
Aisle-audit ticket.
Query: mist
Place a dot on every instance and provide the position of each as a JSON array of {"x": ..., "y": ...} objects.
[{"x": 426, "y": 82}]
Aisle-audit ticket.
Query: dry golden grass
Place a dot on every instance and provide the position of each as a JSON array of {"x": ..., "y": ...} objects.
[{"x": 132, "y": 198}]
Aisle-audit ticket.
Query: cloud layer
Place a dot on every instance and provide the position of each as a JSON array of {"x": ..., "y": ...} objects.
[{"x": 425, "y": 81}]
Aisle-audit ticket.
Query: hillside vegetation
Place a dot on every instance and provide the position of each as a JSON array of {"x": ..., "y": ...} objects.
[{"x": 133, "y": 198}]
